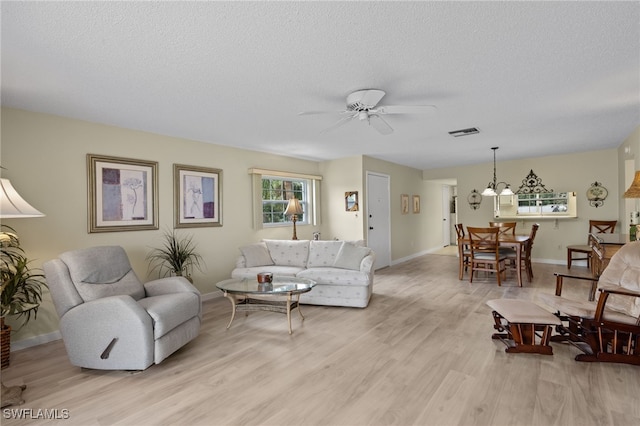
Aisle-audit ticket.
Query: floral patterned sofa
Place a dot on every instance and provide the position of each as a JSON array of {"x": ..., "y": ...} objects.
[{"x": 343, "y": 270}]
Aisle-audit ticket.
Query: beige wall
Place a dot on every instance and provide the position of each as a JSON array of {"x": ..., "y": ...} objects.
[
  {"x": 45, "y": 159},
  {"x": 572, "y": 172},
  {"x": 340, "y": 176}
]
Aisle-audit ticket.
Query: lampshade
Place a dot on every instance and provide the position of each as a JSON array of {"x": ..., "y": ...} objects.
[
  {"x": 634, "y": 189},
  {"x": 488, "y": 192},
  {"x": 507, "y": 191},
  {"x": 12, "y": 205},
  {"x": 293, "y": 207}
]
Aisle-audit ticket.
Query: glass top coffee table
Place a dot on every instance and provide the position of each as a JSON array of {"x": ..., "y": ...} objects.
[{"x": 281, "y": 295}]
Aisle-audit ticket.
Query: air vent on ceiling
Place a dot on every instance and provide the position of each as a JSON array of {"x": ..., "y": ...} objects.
[{"x": 464, "y": 132}]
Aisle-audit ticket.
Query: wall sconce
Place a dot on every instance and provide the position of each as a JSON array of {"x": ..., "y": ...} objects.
[
  {"x": 596, "y": 194},
  {"x": 474, "y": 199},
  {"x": 492, "y": 188}
]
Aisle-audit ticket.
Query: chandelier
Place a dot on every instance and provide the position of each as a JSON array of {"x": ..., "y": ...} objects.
[{"x": 492, "y": 187}]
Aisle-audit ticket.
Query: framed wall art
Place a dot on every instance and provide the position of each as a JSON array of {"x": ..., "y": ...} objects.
[
  {"x": 416, "y": 203},
  {"x": 198, "y": 196},
  {"x": 351, "y": 201},
  {"x": 123, "y": 194},
  {"x": 404, "y": 203}
]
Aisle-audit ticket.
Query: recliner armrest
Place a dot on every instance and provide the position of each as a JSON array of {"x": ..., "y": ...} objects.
[{"x": 169, "y": 285}]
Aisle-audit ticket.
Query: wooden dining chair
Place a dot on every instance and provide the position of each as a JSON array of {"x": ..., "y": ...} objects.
[
  {"x": 595, "y": 227},
  {"x": 525, "y": 258},
  {"x": 505, "y": 227},
  {"x": 485, "y": 253},
  {"x": 463, "y": 249}
]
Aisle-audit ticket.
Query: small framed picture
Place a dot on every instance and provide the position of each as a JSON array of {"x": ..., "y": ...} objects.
[
  {"x": 123, "y": 194},
  {"x": 404, "y": 203},
  {"x": 416, "y": 203},
  {"x": 198, "y": 195},
  {"x": 351, "y": 201}
]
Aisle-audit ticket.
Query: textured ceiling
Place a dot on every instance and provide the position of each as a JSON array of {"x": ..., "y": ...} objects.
[{"x": 537, "y": 78}]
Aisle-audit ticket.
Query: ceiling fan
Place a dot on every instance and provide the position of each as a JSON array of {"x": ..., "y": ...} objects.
[{"x": 363, "y": 105}]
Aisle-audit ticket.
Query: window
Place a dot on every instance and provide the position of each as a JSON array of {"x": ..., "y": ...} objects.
[
  {"x": 538, "y": 205},
  {"x": 276, "y": 192},
  {"x": 271, "y": 191}
]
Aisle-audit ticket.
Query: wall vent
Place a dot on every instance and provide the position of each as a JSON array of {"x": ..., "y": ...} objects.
[{"x": 465, "y": 132}]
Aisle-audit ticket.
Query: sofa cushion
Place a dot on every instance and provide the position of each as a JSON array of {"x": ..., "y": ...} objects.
[
  {"x": 338, "y": 276},
  {"x": 323, "y": 253},
  {"x": 256, "y": 255},
  {"x": 350, "y": 256},
  {"x": 289, "y": 252}
]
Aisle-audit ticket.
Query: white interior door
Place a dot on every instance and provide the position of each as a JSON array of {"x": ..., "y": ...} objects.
[
  {"x": 379, "y": 218},
  {"x": 446, "y": 215}
]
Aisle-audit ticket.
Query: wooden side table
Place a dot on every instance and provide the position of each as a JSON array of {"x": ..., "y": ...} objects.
[{"x": 603, "y": 247}]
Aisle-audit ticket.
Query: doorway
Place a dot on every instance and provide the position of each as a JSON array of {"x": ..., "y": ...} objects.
[{"x": 379, "y": 218}]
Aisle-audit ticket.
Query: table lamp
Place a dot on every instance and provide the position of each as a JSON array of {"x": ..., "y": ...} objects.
[{"x": 294, "y": 209}]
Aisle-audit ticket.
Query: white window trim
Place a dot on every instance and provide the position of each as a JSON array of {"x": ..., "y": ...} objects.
[{"x": 313, "y": 202}]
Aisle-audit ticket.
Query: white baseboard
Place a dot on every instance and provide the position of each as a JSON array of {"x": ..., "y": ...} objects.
[
  {"x": 35, "y": 341},
  {"x": 53, "y": 336}
]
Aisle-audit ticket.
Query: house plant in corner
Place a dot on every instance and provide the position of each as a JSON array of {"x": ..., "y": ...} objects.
[
  {"x": 22, "y": 286},
  {"x": 20, "y": 296},
  {"x": 177, "y": 256}
]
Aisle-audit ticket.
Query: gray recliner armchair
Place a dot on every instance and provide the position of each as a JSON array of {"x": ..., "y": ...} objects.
[{"x": 109, "y": 320}]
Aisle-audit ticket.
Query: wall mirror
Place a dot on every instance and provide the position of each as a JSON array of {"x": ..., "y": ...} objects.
[{"x": 351, "y": 201}]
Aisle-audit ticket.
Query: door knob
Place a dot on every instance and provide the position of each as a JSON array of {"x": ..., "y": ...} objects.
[{"x": 371, "y": 227}]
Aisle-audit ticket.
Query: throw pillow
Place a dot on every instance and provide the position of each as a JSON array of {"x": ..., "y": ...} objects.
[
  {"x": 350, "y": 256},
  {"x": 256, "y": 255},
  {"x": 323, "y": 253},
  {"x": 289, "y": 252}
]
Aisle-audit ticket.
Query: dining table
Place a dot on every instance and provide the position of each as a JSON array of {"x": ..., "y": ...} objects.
[{"x": 517, "y": 242}]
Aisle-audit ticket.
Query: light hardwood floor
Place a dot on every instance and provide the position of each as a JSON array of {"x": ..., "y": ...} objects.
[{"x": 420, "y": 354}]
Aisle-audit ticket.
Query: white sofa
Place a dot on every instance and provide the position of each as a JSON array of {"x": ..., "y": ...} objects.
[{"x": 342, "y": 270}]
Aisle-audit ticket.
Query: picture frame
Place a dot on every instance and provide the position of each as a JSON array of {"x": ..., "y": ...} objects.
[
  {"x": 351, "y": 201},
  {"x": 416, "y": 204},
  {"x": 122, "y": 194},
  {"x": 197, "y": 196},
  {"x": 404, "y": 203}
]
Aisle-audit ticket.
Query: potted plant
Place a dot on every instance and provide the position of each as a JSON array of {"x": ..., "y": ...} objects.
[
  {"x": 21, "y": 291},
  {"x": 177, "y": 256}
]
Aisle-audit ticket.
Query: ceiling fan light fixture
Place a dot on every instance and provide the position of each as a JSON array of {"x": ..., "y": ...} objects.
[{"x": 363, "y": 115}]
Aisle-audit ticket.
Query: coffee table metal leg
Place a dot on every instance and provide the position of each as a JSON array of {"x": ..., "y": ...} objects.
[
  {"x": 289, "y": 311},
  {"x": 299, "y": 311},
  {"x": 232, "y": 299}
]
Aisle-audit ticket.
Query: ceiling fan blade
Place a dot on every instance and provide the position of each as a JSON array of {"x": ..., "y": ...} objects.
[
  {"x": 372, "y": 97},
  {"x": 319, "y": 112},
  {"x": 379, "y": 124},
  {"x": 364, "y": 98},
  {"x": 339, "y": 123},
  {"x": 405, "y": 109}
]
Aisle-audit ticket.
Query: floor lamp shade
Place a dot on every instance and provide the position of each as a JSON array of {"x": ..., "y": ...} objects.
[{"x": 12, "y": 205}]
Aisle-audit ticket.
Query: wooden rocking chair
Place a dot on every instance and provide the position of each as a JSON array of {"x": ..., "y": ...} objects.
[{"x": 607, "y": 330}]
